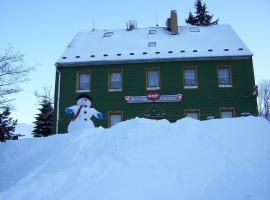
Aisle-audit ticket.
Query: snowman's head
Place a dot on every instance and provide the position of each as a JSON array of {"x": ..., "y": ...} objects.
[{"x": 84, "y": 100}]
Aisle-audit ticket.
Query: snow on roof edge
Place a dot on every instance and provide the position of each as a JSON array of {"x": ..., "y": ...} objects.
[{"x": 106, "y": 62}]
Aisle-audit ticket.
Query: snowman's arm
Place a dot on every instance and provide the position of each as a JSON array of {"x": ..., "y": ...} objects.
[
  {"x": 97, "y": 114},
  {"x": 71, "y": 110}
]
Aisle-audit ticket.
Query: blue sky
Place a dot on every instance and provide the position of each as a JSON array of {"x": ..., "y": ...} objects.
[{"x": 42, "y": 29}]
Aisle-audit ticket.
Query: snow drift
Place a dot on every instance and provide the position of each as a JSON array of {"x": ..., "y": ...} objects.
[{"x": 143, "y": 160}]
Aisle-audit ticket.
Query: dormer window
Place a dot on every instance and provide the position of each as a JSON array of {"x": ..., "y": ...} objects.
[
  {"x": 152, "y": 31},
  {"x": 152, "y": 44},
  {"x": 107, "y": 34}
]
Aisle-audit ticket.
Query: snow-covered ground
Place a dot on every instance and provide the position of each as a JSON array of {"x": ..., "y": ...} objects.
[{"x": 139, "y": 159}]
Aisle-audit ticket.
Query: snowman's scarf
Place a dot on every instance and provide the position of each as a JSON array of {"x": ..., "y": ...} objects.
[{"x": 77, "y": 114}]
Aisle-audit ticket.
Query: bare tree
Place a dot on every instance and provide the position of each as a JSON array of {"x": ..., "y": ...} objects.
[
  {"x": 46, "y": 95},
  {"x": 264, "y": 99},
  {"x": 13, "y": 72}
]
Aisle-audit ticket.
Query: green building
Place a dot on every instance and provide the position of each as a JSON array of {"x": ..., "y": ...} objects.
[{"x": 158, "y": 73}]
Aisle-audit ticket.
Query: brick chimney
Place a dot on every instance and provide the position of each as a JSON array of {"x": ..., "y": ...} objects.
[{"x": 172, "y": 24}]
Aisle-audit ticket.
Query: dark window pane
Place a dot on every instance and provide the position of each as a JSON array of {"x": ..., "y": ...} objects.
[
  {"x": 152, "y": 79},
  {"x": 84, "y": 81}
]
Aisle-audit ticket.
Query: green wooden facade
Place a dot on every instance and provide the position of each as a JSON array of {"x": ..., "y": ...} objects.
[{"x": 208, "y": 98}]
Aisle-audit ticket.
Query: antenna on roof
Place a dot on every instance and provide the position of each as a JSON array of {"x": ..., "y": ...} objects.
[
  {"x": 93, "y": 24},
  {"x": 156, "y": 20}
]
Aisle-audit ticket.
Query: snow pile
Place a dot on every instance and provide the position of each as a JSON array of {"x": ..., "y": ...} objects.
[{"x": 143, "y": 159}]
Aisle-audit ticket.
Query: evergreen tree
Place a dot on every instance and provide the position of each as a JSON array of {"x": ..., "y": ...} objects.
[
  {"x": 7, "y": 125},
  {"x": 44, "y": 119},
  {"x": 202, "y": 17}
]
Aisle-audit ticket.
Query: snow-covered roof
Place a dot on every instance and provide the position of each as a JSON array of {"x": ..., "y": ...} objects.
[{"x": 154, "y": 43}]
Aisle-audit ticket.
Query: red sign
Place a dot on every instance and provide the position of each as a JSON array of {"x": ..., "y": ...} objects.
[
  {"x": 127, "y": 98},
  {"x": 153, "y": 96}
]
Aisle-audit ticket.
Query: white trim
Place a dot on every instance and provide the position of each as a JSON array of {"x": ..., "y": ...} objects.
[
  {"x": 153, "y": 88},
  {"x": 79, "y": 91},
  {"x": 225, "y": 86},
  {"x": 115, "y": 90},
  {"x": 191, "y": 87},
  {"x": 58, "y": 100}
]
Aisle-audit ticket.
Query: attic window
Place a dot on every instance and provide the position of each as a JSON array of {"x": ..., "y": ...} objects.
[
  {"x": 105, "y": 55},
  {"x": 131, "y": 54},
  {"x": 240, "y": 49},
  {"x": 92, "y": 56},
  {"x": 170, "y": 51},
  {"x": 210, "y": 50},
  {"x": 119, "y": 54},
  {"x": 195, "y": 50},
  {"x": 182, "y": 51},
  {"x": 64, "y": 57},
  {"x": 157, "y": 52},
  {"x": 152, "y": 44},
  {"x": 152, "y": 31},
  {"x": 226, "y": 49},
  {"x": 77, "y": 57},
  {"x": 108, "y": 34},
  {"x": 144, "y": 53},
  {"x": 194, "y": 29}
]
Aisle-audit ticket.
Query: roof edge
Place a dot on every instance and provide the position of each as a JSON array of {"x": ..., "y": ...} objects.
[{"x": 108, "y": 62}]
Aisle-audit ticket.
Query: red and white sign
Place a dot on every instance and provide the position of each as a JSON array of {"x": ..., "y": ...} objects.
[{"x": 153, "y": 96}]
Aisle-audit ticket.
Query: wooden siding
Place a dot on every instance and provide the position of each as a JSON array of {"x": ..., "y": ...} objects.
[{"x": 208, "y": 98}]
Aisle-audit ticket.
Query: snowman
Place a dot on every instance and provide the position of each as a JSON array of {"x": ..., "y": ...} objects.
[{"x": 82, "y": 114}]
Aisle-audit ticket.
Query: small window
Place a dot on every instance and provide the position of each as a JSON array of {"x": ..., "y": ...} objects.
[
  {"x": 190, "y": 77},
  {"x": 152, "y": 31},
  {"x": 83, "y": 81},
  {"x": 152, "y": 44},
  {"x": 115, "y": 117},
  {"x": 115, "y": 80},
  {"x": 193, "y": 113},
  {"x": 226, "y": 112},
  {"x": 108, "y": 34},
  {"x": 152, "y": 79},
  {"x": 224, "y": 76}
]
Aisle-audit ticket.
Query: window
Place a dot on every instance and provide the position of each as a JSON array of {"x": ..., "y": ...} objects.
[
  {"x": 190, "y": 77},
  {"x": 107, "y": 34},
  {"x": 115, "y": 80},
  {"x": 227, "y": 112},
  {"x": 152, "y": 79},
  {"x": 115, "y": 117},
  {"x": 83, "y": 81},
  {"x": 152, "y": 44},
  {"x": 152, "y": 31},
  {"x": 224, "y": 76},
  {"x": 192, "y": 113}
]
